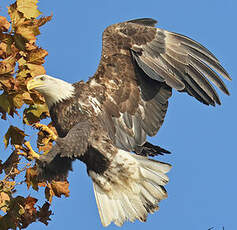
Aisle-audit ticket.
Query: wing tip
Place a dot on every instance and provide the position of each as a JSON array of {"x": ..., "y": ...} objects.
[{"x": 144, "y": 21}]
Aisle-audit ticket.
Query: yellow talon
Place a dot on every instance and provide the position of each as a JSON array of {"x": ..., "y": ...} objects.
[
  {"x": 45, "y": 128},
  {"x": 31, "y": 152}
]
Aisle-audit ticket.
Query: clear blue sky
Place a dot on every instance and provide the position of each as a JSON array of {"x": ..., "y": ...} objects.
[{"x": 202, "y": 189}]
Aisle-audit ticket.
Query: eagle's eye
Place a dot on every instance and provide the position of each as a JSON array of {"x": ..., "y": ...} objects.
[{"x": 42, "y": 78}]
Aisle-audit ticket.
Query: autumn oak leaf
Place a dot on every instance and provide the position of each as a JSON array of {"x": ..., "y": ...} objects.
[
  {"x": 35, "y": 113},
  {"x": 4, "y": 24},
  {"x": 44, "y": 213},
  {"x": 4, "y": 103},
  {"x": 57, "y": 188},
  {"x": 14, "y": 134},
  {"x": 28, "y": 8}
]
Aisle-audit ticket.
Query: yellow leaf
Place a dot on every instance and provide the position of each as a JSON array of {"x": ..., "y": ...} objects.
[
  {"x": 28, "y": 8},
  {"x": 28, "y": 32},
  {"x": 22, "y": 74},
  {"x": 21, "y": 61},
  {"x": 21, "y": 210},
  {"x": 15, "y": 15}
]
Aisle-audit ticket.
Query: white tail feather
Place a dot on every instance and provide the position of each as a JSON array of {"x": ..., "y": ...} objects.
[{"x": 130, "y": 188}]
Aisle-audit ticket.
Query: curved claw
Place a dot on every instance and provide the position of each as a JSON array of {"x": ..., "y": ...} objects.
[{"x": 31, "y": 152}]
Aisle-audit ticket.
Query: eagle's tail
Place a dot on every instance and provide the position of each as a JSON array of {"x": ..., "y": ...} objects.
[{"x": 130, "y": 188}]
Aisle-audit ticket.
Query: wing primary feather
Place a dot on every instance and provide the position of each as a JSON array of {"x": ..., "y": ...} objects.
[
  {"x": 144, "y": 21},
  {"x": 212, "y": 75},
  {"x": 203, "y": 83},
  {"x": 190, "y": 85},
  {"x": 205, "y": 98},
  {"x": 147, "y": 69},
  {"x": 193, "y": 44},
  {"x": 213, "y": 64},
  {"x": 168, "y": 75}
]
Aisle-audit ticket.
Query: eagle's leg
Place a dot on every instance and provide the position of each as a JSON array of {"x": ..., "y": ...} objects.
[
  {"x": 42, "y": 127},
  {"x": 31, "y": 152}
]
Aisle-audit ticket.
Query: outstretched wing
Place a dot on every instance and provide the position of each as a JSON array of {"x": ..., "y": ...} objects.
[{"x": 139, "y": 67}]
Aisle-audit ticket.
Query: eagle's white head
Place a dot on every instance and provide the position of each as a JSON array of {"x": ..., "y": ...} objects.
[{"x": 53, "y": 89}]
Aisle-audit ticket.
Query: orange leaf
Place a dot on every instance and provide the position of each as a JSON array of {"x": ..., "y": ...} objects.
[
  {"x": 57, "y": 188},
  {"x": 4, "y": 24}
]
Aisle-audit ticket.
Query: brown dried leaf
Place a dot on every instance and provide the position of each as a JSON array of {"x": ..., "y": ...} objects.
[
  {"x": 28, "y": 32},
  {"x": 4, "y": 201},
  {"x": 41, "y": 21},
  {"x": 28, "y": 8},
  {"x": 28, "y": 213},
  {"x": 3, "y": 50},
  {"x": 35, "y": 113},
  {"x": 22, "y": 74},
  {"x": 6, "y": 48},
  {"x": 31, "y": 179},
  {"x": 8, "y": 65},
  {"x": 16, "y": 135},
  {"x": 7, "y": 82},
  {"x": 44, "y": 213},
  {"x": 4, "y": 24},
  {"x": 37, "y": 56},
  {"x": 17, "y": 100},
  {"x": 36, "y": 70},
  {"x": 29, "y": 205},
  {"x": 10, "y": 165},
  {"x": 57, "y": 188},
  {"x": 15, "y": 15},
  {"x": 27, "y": 98},
  {"x": 4, "y": 103}
]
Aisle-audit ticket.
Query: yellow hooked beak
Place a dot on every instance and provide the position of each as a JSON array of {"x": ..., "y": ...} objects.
[{"x": 34, "y": 83}]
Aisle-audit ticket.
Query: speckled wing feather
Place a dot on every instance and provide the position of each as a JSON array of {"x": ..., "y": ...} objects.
[{"x": 139, "y": 67}]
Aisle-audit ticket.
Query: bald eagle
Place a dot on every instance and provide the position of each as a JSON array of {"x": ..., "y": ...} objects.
[{"x": 102, "y": 121}]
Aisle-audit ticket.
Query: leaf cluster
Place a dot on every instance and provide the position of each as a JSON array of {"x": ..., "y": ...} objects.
[{"x": 20, "y": 60}]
